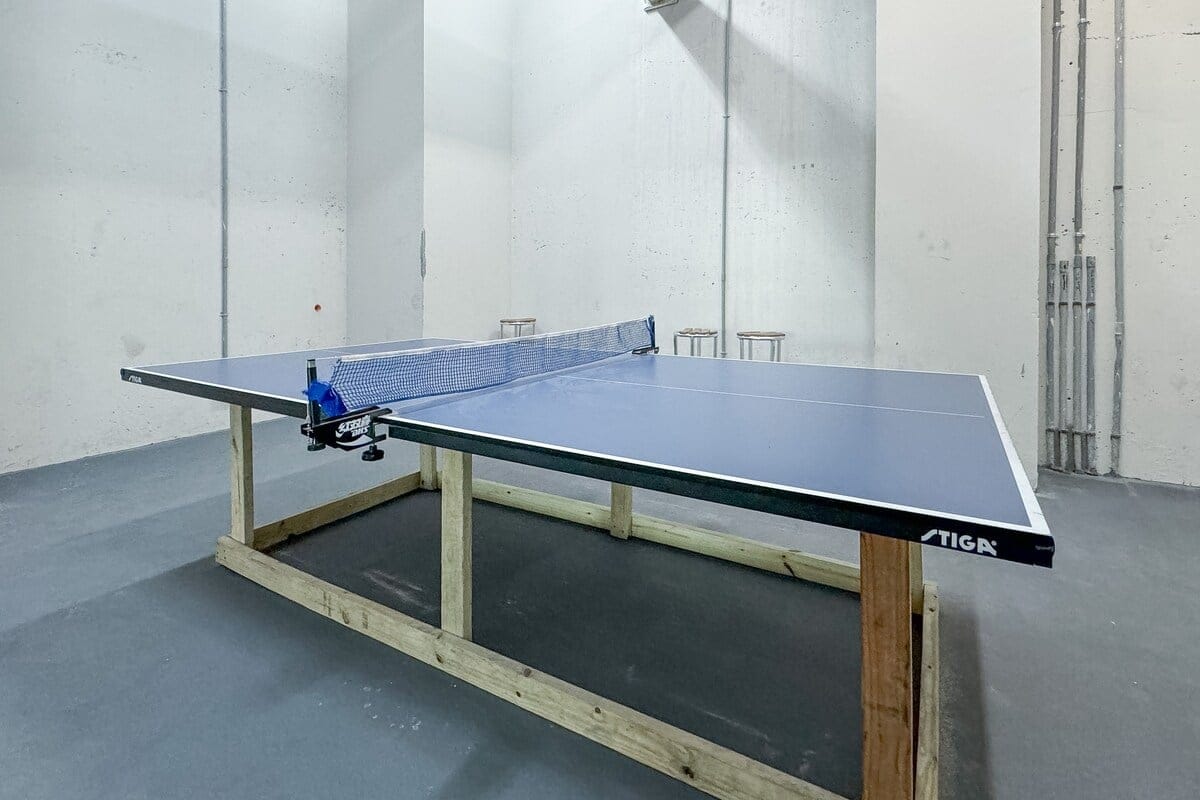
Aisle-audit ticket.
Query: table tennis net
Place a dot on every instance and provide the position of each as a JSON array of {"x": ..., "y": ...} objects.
[{"x": 380, "y": 378}]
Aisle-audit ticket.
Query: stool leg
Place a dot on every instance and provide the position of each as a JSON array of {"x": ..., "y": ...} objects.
[{"x": 675, "y": 343}]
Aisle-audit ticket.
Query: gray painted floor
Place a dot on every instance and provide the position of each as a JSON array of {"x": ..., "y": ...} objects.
[{"x": 132, "y": 666}]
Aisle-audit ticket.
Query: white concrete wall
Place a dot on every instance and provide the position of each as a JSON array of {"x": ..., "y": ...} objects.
[
  {"x": 958, "y": 198},
  {"x": 616, "y": 163},
  {"x": 1161, "y": 440},
  {"x": 108, "y": 220},
  {"x": 802, "y": 155},
  {"x": 468, "y": 167},
  {"x": 384, "y": 297},
  {"x": 287, "y": 175},
  {"x": 617, "y": 129},
  {"x": 109, "y": 207}
]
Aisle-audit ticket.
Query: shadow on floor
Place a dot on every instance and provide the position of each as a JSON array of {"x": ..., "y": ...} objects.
[
  {"x": 765, "y": 665},
  {"x": 197, "y": 683}
]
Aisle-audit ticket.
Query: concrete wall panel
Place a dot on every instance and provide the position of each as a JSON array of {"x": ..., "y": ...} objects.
[
  {"x": 957, "y": 199},
  {"x": 384, "y": 296},
  {"x": 468, "y": 167}
]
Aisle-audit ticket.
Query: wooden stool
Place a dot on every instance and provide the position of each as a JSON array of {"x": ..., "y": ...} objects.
[
  {"x": 696, "y": 338},
  {"x": 517, "y": 326},
  {"x": 774, "y": 340}
]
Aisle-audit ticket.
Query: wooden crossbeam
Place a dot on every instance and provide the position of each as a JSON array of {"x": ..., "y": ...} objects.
[
  {"x": 273, "y": 533},
  {"x": 726, "y": 547}
]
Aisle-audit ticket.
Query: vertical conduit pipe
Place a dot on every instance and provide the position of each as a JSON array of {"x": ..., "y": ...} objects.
[
  {"x": 223, "y": 91},
  {"x": 1080, "y": 109},
  {"x": 1053, "y": 421},
  {"x": 1076, "y": 425},
  {"x": 1077, "y": 389},
  {"x": 1118, "y": 233},
  {"x": 1064, "y": 285},
  {"x": 725, "y": 184},
  {"x": 1089, "y": 313}
]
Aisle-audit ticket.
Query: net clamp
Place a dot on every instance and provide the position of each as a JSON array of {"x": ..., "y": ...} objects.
[
  {"x": 351, "y": 431},
  {"x": 641, "y": 351}
]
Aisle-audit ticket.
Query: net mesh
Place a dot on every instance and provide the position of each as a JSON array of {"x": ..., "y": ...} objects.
[{"x": 361, "y": 381}]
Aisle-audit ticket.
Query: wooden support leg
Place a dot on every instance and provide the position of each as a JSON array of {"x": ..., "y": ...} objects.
[
  {"x": 916, "y": 577},
  {"x": 887, "y": 689},
  {"x": 456, "y": 544},
  {"x": 621, "y": 516},
  {"x": 241, "y": 475},
  {"x": 429, "y": 469}
]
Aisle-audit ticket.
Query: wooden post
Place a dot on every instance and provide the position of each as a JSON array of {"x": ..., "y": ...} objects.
[
  {"x": 241, "y": 475},
  {"x": 429, "y": 470},
  {"x": 621, "y": 516},
  {"x": 916, "y": 577},
  {"x": 456, "y": 544},
  {"x": 887, "y": 688}
]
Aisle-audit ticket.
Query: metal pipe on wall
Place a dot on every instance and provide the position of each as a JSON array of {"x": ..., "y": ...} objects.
[
  {"x": 1053, "y": 422},
  {"x": 1080, "y": 110},
  {"x": 725, "y": 184},
  {"x": 1076, "y": 426},
  {"x": 1089, "y": 313},
  {"x": 1064, "y": 283},
  {"x": 1118, "y": 233},
  {"x": 223, "y": 91}
]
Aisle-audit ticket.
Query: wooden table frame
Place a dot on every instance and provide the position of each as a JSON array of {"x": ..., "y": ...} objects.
[{"x": 900, "y": 742}]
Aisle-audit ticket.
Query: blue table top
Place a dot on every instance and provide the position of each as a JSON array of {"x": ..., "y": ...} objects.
[{"x": 848, "y": 444}]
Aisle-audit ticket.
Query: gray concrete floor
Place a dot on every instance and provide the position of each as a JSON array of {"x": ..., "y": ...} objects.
[{"x": 132, "y": 666}]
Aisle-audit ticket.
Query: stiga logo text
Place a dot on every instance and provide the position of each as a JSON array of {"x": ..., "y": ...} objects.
[{"x": 964, "y": 542}]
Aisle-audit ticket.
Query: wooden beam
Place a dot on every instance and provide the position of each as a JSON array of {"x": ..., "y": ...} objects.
[
  {"x": 750, "y": 553},
  {"x": 887, "y": 692},
  {"x": 916, "y": 577},
  {"x": 780, "y": 560},
  {"x": 273, "y": 533},
  {"x": 674, "y": 752},
  {"x": 429, "y": 468},
  {"x": 621, "y": 515},
  {"x": 456, "y": 544},
  {"x": 580, "y": 512},
  {"x": 929, "y": 725},
  {"x": 241, "y": 475}
]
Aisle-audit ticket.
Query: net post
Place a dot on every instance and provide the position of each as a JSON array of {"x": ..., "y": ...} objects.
[{"x": 314, "y": 408}]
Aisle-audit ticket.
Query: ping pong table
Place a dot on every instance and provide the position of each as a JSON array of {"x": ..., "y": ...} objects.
[{"x": 901, "y": 458}]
